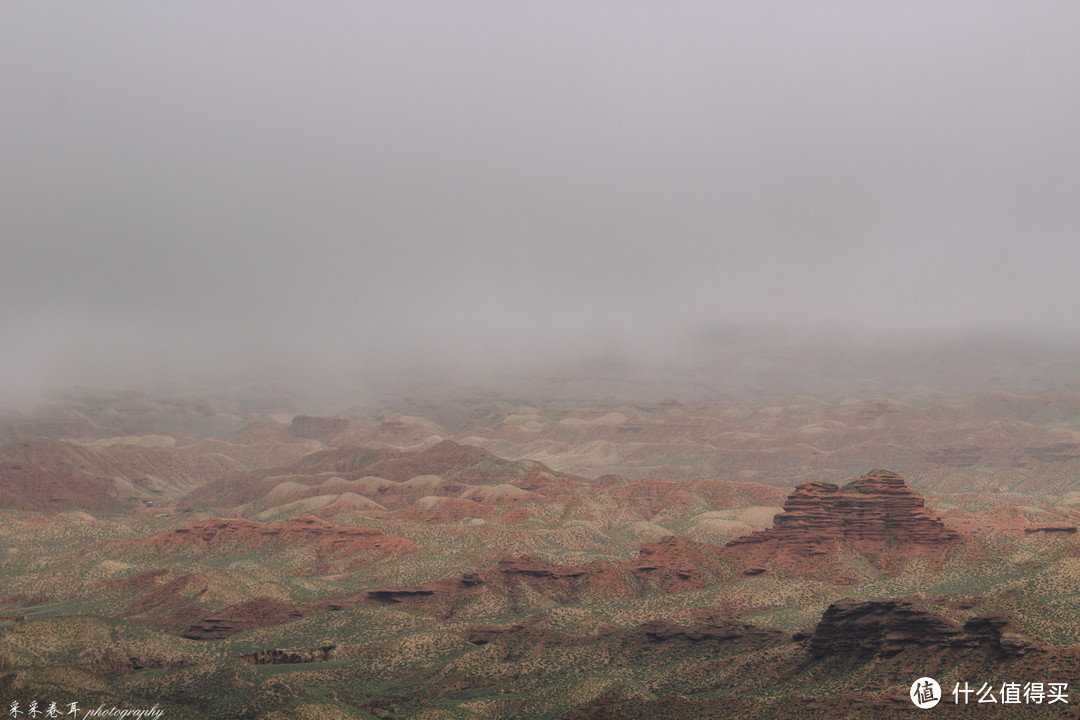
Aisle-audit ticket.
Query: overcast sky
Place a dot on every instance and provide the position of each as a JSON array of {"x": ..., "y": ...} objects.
[{"x": 202, "y": 184}]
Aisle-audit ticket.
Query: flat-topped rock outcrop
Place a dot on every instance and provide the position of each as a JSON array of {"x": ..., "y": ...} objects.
[{"x": 877, "y": 514}]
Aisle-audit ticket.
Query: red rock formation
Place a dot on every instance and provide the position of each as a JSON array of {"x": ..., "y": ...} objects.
[{"x": 877, "y": 515}]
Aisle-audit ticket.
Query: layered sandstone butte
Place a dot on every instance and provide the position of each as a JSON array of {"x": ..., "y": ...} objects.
[{"x": 876, "y": 513}]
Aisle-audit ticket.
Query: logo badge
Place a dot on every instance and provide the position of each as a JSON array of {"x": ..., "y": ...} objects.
[{"x": 925, "y": 692}]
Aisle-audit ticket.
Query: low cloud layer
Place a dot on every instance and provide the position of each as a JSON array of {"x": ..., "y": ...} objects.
[{"x": 198, "y": 187}]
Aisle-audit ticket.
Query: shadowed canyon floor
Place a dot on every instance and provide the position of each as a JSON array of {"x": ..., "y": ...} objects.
[{"x": 496, "y": 560}]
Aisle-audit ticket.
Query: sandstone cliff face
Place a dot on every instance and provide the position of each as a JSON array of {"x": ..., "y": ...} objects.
[
  {"x": 876, "y": 515},
  {"x": 885, "y": 628}
]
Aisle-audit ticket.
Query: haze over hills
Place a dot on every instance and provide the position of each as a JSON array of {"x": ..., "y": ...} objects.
[{"x": 709, "y": 364}]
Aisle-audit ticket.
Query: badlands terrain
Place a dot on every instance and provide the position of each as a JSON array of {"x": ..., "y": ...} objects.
[{"x": 450, "y": 556}]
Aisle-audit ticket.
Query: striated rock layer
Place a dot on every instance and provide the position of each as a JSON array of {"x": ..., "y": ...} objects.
[{"x": 876, "y": 514}]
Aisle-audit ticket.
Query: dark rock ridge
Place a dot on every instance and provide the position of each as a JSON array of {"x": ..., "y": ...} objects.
[
  {"x": 875, "y": 512},
  {"x": 288, "y": 657},
  {"x": 1063, "y": 528},
  {"x": 885, "y": 628},
  {"x": 665, "y": 631}
]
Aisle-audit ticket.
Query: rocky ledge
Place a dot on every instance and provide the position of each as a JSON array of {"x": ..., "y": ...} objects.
[
  {"x": 719, "y": 631},
  {"x": 885, "y": 628}
]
